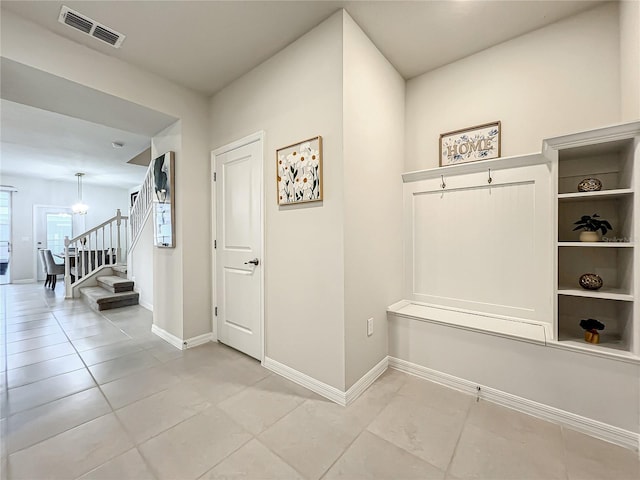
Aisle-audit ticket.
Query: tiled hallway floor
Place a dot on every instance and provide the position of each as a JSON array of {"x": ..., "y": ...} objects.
[{"x": 96, "y": 396}]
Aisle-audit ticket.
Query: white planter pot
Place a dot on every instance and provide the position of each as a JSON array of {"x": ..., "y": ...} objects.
[{"x": 586, "y": 236}]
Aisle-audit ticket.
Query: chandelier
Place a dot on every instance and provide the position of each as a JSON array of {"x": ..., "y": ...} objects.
[{"x": 80, "y": 207}]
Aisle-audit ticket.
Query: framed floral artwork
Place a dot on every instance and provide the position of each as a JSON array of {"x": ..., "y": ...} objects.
[
  {"x": 481, "y": 142},
  {"x": 299, "y": 172}
]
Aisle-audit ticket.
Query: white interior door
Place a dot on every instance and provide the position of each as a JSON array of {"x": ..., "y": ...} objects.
[{"x": 238, "y": 200}]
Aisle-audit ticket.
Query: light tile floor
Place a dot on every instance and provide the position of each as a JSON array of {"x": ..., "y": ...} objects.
[{"x": 97, "y": 396}]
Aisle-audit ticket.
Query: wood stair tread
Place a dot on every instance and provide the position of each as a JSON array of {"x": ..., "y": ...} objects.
[{"x": 100, "y": 298}]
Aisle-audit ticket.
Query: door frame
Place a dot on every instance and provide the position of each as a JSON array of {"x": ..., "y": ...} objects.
[
  {"x": 10, "y": 190},
  {"x": 259, "y": 137},
  {"x": 36, "y": 210}
]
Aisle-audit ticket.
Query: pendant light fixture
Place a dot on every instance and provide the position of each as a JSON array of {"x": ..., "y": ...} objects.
[{"x": 79, "y": 207}]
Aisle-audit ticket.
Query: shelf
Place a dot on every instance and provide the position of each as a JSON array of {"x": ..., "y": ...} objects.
[
  {"x": 607, "y": 340},
  {"x": 597, "y": 244},
  {"x": 604, "y": 293},
  {"x": 610, "y": 350},
  {"x": 586, "y": 196}
]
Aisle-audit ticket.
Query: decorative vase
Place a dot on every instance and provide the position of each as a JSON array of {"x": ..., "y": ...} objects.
[
  {"x": 587, "y": 236},
  {"x": 590, "y": 185},
  {"x": 590, "y": 281}
]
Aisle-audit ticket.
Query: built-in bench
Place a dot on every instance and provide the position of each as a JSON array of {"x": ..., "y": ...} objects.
[{"x": 518, "y": 329}]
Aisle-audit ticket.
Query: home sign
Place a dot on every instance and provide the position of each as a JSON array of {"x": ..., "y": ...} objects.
[{"x": 481, "y": 142}]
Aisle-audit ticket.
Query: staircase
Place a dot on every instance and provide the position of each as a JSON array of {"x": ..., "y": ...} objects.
[{"x": 112, "y": 291}]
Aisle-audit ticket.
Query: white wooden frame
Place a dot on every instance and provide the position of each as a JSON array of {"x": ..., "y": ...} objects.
[
  {"x": 504, "y": 171},
  {"x": 260, "y": 137}
]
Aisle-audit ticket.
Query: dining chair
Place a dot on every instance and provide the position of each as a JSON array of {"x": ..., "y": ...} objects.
[
  {"x": 47, "y": 280},
  {"x": 53, "y": 269}
]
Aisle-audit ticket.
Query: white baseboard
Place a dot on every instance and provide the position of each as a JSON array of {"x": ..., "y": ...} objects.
[
  {"x": 148, "y": 306},
  {"x": 582, "y": 424},
  {"x": 321, "y": 388},
  {"x": 179, "y": 343},
  {"x": 366, "y": 381},
  {"x": 198, "y": 340},
  {"x": 332, "y": 393},
  {"x": 167, "y": 337},
  {"x": 24, "y": 281}
]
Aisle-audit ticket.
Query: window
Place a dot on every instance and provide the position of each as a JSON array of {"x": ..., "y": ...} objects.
[{"x": 59, "y": 225}]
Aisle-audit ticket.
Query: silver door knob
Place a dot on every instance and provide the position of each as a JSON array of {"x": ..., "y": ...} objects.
[{"x": 255, "y": 262}]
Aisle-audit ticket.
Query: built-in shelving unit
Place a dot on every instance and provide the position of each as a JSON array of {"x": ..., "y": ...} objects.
[{"x": 611, "y": 155}]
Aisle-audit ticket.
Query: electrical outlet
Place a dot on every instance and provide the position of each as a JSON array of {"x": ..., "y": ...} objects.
[{"x": 370, "y": 327}]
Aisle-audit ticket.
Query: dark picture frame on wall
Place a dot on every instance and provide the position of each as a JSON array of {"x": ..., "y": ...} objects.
[{"x": 164, "y": 201}]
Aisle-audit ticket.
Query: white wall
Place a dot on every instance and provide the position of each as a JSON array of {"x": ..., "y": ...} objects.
[
  {"x": 102, "y": 201},
  {"x": 630, "y": 59},
  {"x": 168, "y": 289},
  {"x": 556, "y": 80},
  {"x": 601, "y": 389},
  {"x": 294, "y": 95},
  {"x": 373, "y": 161},
  {"x": 140, "y": 265},
  {"x": 29, "y": 44}
]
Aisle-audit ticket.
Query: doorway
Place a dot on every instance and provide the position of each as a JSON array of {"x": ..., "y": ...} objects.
[
  {"x": 51, "y": 225},
  {"x": 5, "y": 237},
  {"x": 238, "y": 245}
]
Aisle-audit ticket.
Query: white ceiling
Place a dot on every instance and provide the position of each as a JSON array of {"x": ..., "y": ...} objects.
[
  {"x": 49, "y": 145},
  {"x": 205, "y": 45}
]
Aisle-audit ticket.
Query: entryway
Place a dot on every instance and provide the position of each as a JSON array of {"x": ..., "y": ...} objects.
[{"x": 238, "y": 244}]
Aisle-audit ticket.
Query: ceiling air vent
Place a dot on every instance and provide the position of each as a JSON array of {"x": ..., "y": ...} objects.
[{"x": 88, "y": 26}]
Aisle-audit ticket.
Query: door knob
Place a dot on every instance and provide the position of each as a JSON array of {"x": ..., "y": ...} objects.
[{"x": 255, "y": 262}]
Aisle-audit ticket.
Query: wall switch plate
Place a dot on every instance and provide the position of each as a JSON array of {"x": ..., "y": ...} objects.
[{"x": 370, "y": 327}]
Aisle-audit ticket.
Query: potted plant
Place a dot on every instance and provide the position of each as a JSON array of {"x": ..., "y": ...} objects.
[
  {"x": 591, "y": 327},
  {"x": 591, "y": 227}
]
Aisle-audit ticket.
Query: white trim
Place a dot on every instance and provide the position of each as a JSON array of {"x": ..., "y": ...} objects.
[
  {"x": 586, "y": 425},
  {"x": 474, "y": 167},
  {"x": 238, "y": 143},
  {"x": 321, "y": 388},
  {"x": 148, "y": 306},
  {"x": 366, "y": 381},
  {"x": 332, "y": 393},
  {"x": 177, "y": 342},
  {"x": 23, "y": 281},
  {"x": 254, "y": 137},
  {"x": 167, "y": 337},
  {"x": 197, "y": 340}
]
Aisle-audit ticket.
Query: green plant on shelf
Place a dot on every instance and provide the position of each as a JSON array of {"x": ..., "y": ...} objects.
[{"x": 590, "y": 223}]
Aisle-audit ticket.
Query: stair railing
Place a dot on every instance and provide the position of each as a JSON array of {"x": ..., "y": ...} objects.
[
  {"x": 142, "y": 206},
  {"x": 105, "y": 244}
]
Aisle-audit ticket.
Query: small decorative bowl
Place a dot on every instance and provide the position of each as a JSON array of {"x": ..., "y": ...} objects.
[
  {"x": 590, "y": 281},
  {"x": 590, "y": 185}
]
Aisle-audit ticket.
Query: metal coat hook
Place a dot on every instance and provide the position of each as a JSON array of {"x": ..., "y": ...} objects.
[
  {"x": 490, "y": 179},
  {"x": 443, "y": 185}
]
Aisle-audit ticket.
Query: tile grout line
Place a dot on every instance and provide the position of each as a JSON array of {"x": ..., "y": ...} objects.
[
  {"x": 98, "y": 386},
  {"x": 4, "y": 450},
  {"x": 464, "y": 424}
]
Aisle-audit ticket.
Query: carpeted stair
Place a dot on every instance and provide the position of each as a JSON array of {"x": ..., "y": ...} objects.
[{"x": 113, "y": 291}]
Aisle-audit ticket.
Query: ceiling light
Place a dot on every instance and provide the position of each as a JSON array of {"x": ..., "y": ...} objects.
[
  {"x": 117, "y": 144},
  {"x": 80, "y": 207}
]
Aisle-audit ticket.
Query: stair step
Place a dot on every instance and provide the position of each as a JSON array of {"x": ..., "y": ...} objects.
[
  {"x": 120, "y": 270},
  {"x": 115, "y": 284},
  {"x": 102, "y": 299}
]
